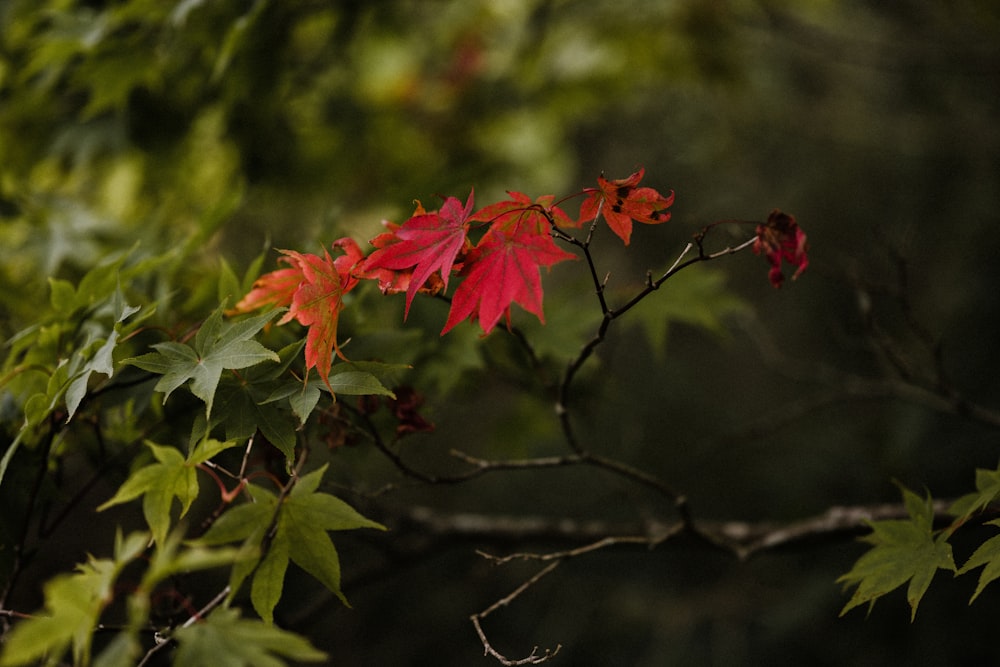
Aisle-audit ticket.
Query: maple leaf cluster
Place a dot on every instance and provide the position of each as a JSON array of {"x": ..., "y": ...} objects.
[
  {"x": 423, "y": 253},
  {"x": 502, "y": 268}
]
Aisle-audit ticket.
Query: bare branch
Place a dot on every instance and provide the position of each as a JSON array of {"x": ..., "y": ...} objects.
[
  {"x": 488, "y": 465},
  {"x": 742, "y": 539},
  {"x": 603, "y": 543},
  {"x": 532, "y": 658},
  {"x": 634, "y": 474}
]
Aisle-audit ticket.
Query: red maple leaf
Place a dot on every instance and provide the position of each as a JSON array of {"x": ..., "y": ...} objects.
[
  {"x": 346, "y": 263},
  {"x": 504, "y": 268},
  {"x": 393, "y": 281},
  {"x": 520, "y": 205},
  {"x": 621, "y": 202},
  {"x": 312, "y": 289},
  {"x": 426, "y": 243},
  {"x": 780, "y": 238}
]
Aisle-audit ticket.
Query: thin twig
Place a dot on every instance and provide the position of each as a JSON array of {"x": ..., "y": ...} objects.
[
  {"x": 602, "y": 543},
  {"x": 532, "y": 658},
  {"x": 246, "y": 457},
  {"x": 204, "y": 611},
  {"x": 632, "y": 473},
  {"x": 164, "y": 641},
  {"x": 849, "y": 386}
]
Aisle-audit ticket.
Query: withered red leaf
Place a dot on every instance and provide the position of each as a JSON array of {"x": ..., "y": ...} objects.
[
  {"x": 621, "y": 201},
  {"x": 781, "y": 239}
]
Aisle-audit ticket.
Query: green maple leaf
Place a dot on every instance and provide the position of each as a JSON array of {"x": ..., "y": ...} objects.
[
  {"x": 172, "y": 477},
  {"x": 987, "y": 491},
  {"x": 268, "y": 398},
  {"x": 364, "y": 378},
  {"x": 988, "y": 554},
  {"x": 299, "y": 535},
  {"x": 217, "y": 346},
  {"x": 904, "y": 550},
  {"x": 224, "y": 639},
  {"x": 244, "y": 407}
]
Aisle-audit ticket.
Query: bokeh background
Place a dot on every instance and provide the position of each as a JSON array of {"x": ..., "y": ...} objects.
[{"x": 224, "y": 129}]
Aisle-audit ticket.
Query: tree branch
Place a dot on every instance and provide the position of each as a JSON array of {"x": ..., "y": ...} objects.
[{"x": 741, "y": 539}]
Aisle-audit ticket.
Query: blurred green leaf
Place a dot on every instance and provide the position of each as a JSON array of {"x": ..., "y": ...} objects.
[
  {"x": 160, "y": 483},
  {"x": 73, "y": 606},
  {"x": 226, "y": 640},
  {"x": 697, "y": 296}
]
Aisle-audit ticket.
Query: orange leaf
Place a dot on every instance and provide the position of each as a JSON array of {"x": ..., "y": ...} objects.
[
  {"x": 312, "y": 289},
  {"x": 316, "y": 304},
  {"x": 271, "y": 289},
  {"x": 621, "y": 202}
]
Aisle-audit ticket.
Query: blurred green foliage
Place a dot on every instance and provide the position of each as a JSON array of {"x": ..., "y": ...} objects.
[{"x": 193, "y": 131}]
